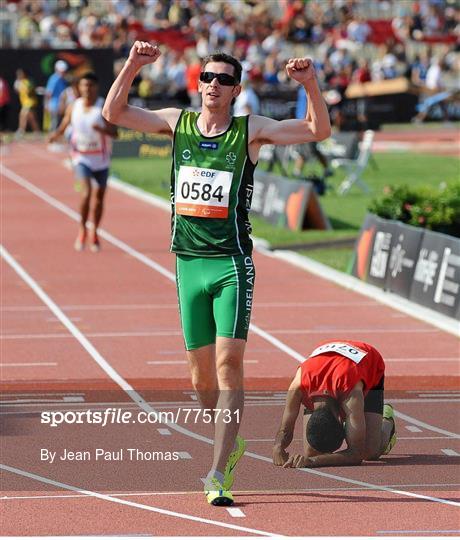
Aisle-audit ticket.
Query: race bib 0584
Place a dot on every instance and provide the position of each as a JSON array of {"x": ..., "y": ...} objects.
[
  {"x": 203, "y": 192},
  {"x": 344, "y": 349}
]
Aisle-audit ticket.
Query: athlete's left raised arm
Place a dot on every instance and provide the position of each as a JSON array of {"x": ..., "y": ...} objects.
[{"x": 315, "y": 126}]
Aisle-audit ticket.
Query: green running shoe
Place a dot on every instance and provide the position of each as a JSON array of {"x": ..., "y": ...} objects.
[
  {"x": 389, "y": 414},
  {"x": 217, "y": 495},
  {"x": 233, "y": 459}
]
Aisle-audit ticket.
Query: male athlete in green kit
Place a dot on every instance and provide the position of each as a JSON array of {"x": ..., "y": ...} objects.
[{"x": 214, "y": 157}]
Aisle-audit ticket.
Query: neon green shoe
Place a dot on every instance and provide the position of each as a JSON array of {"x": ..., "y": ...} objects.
[
  {"x": 389, "y": 414},
  {"x": 217, "y": 495},
  {"x": 233, "y": 459}
]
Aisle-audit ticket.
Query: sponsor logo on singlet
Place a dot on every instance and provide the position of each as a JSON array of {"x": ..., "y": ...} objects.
[{"x": 208, "y": 145}]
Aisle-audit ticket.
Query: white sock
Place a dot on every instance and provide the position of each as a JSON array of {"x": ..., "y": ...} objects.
[{"x": 213, "y": 473}]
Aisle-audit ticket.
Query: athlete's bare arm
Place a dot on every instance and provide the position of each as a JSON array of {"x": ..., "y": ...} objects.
[
  {"x": 314, "y": 127},
  {"x": 286, "y": 431},
  {"x": 355, "y": 434},
  {"x": 116, "y": 109},
  {"x": 65, "y": 122},
  {"x": 107, "y": 129}
]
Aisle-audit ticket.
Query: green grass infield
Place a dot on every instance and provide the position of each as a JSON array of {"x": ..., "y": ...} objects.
[{"x": 346, "y": 212}]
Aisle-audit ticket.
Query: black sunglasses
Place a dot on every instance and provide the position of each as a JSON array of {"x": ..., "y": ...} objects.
[{"x": 222, "y": 78}]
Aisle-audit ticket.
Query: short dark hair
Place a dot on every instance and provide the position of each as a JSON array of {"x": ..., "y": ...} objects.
[
  {"x": 89, "y": 76},
  {"x": 227, "y": 59},
  {"x": 324, "y": 432}
]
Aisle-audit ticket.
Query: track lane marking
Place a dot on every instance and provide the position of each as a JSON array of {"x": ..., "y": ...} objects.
[
  {"x": 235, "y": 512},
  {"x": 450, "y": 452},
  {"x": 421, "y": 424},
  {"x": 236, "y": 492},
  {"x": 135, "y": 396},
  {"x": 133, "y": 504},
  {"x": 28, "y": 364}
]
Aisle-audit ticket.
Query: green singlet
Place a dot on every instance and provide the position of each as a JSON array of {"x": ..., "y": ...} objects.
[{"x": 211, "y": 192}]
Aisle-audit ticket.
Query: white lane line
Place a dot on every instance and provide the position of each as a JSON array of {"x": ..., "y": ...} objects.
[
  {"x": 420, "y": 360},
  {"x": 184, "y": 455},
  {"x": 450, "y": 452},
  {"x": 271, "y": 440},
  {"x": 422, "y": 392},
  {"x": 419, "y": 531},
  {"x": 453, "y": 394},
  {"x": 369, "y": 330},
  {"x": 414, "y": 429},
  {"x": 236, "y": 492},
  {"x": 425, "y": 359},
  {"x": 53, "y": 319},
  {"x": 166, "y": 362},
  {"x": 43, "y": 394},
  {"x": 161, "y": 333},
  {"x": 235, "y": 512},
  {"x": 92, "y": 307},
  {"x": 113, "y": 307},
  {"x": 421, "y": 424},
  {"x": 184, "y": 362},
  {"x": 133, "y": 504},
  {"x": 135, "y": 396},
  {"x": 163, "y": 431},
  {"x": 28, "y": 364}
]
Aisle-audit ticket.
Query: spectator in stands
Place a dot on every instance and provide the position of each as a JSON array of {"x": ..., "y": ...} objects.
[
  {"x": 146, "y": 86},
  {"x": 63, "y": 38},
  {"x": 419, "y": 69},
  {"x": 56, "y": 84},
  {"x": 175, "y": 74},
  {"x": 436, "y": 93},
  {"x": 28, "y": 100},
  {"x": 192, "y": 75},
  {"x": 362, "y": 74},
  {"x": 247, "y": 102},
  {"x": 5, "y": 100},
  {"x": 358, "y": 30},
  {"x": 69, "y": 95},
  {"x": 260, "y": 34}
]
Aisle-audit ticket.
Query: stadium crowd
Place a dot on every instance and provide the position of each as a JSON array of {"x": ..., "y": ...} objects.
[{"x": 350, "y": 40}]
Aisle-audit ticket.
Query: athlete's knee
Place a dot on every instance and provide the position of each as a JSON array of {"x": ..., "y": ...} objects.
[
  {"x": 86, "y": 192},
  {"x": 230, "y": 372},
  {"x": 202, "y": 384},
  {"x": 100, "y": 195}
]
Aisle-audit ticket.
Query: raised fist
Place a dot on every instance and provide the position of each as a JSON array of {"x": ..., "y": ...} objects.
[
  {"x": 143, "y": 53},
  {"x": 301, "y": 69}
]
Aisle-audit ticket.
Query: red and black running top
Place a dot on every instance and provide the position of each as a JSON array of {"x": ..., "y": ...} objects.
[{"x": 335, "y": 367}]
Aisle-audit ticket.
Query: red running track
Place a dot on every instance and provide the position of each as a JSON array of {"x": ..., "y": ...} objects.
[{"x": 126, "y": 310}]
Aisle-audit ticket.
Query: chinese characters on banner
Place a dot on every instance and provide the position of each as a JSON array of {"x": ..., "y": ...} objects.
[{"x": 417, "y": 264}]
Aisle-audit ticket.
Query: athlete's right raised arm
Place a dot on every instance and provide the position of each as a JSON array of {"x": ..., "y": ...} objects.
[{"x": 116, "y": 109}]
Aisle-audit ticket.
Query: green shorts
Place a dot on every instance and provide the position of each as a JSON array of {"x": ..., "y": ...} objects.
[{"x": 215, "y": 297}]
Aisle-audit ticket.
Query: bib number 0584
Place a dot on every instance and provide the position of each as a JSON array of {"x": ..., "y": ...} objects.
[{"x": 198, "y": 191}]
